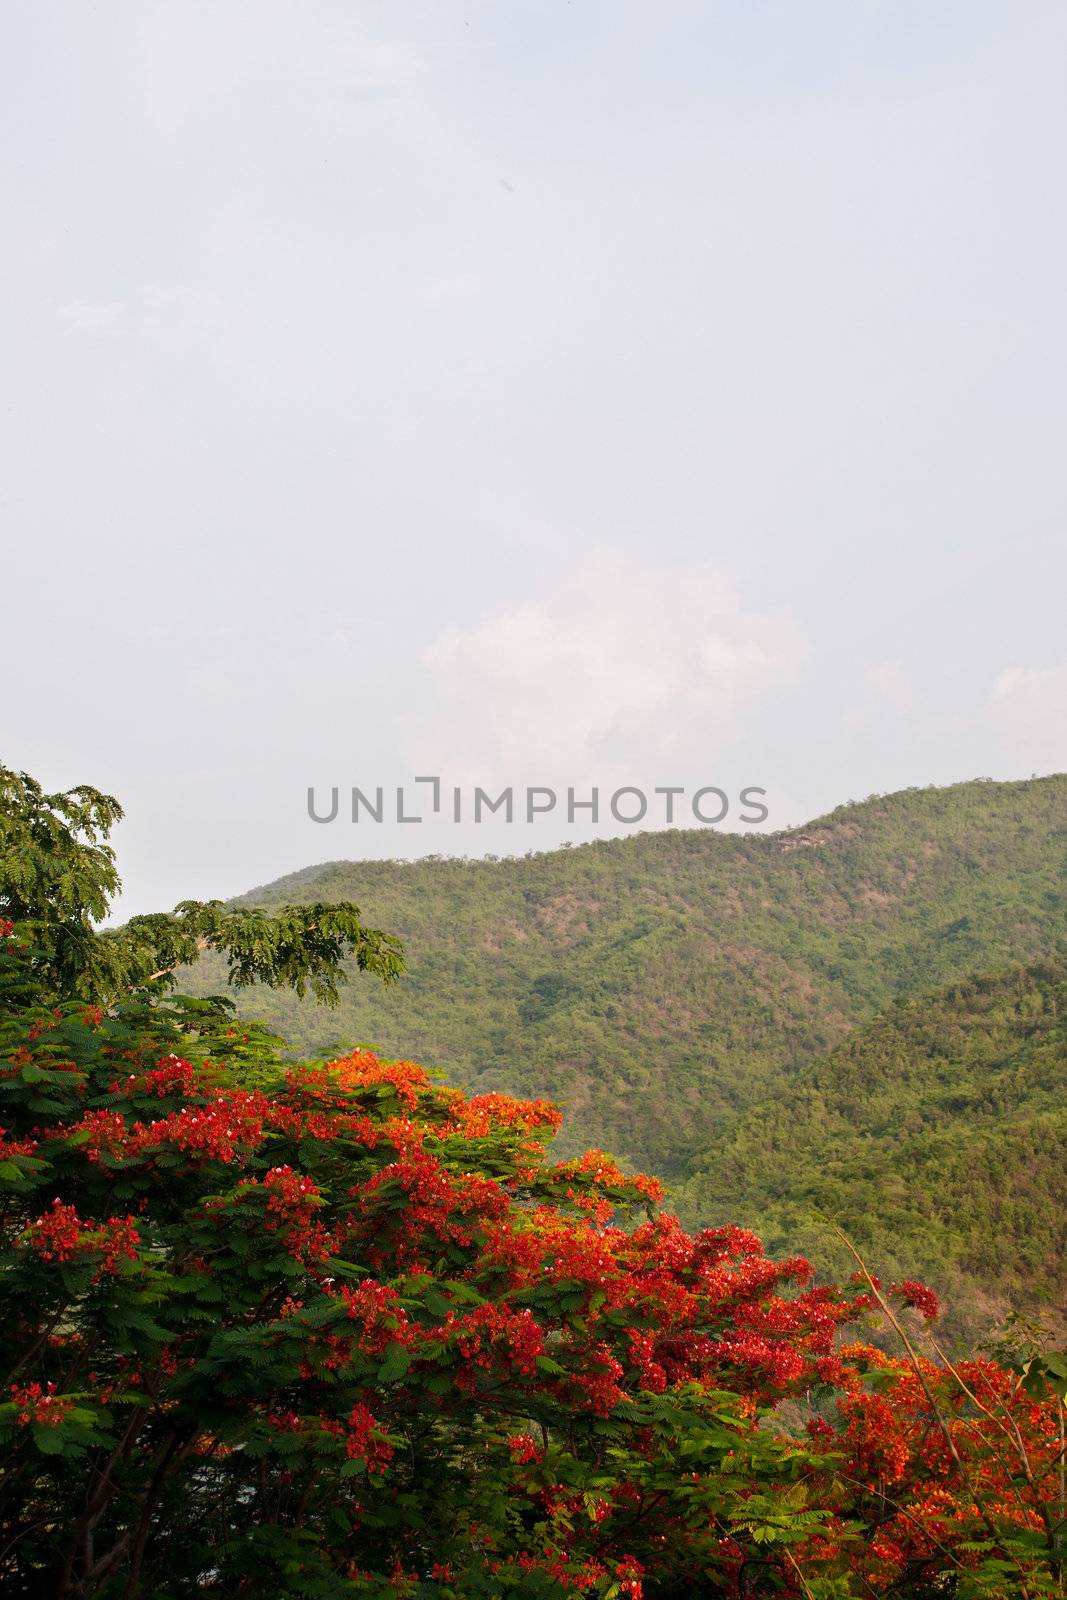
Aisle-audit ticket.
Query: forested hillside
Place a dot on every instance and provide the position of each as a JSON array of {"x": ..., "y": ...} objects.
[
  {"x": 936, "y": 1135},
  {"x": 658, "y": 986}
]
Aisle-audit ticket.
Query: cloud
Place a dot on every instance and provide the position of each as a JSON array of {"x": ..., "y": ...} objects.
[
  {"x": 622, "y": 671},
  {"x": 1029, "y": 705}
]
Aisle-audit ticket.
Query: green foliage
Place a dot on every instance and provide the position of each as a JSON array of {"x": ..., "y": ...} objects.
[
  {"x": 57, "y": 873},
  {"x": 58, "y": 877}
]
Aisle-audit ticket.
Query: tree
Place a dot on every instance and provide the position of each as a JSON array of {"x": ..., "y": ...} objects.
[
  {"x": 333, "y": 1329},
  {"x": 58, "y": 878}
]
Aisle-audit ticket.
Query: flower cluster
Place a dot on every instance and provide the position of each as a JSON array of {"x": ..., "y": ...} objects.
[
  {"x": 364, "y": 1070},
  {"x": 439, "y": 1208},
  {"x": 61, "y": 1235},
  {"x": 222, "y": 1128},
  {"x": 172, "y": 1076},
  {"x": 483, "y": 1114},
  {"x": 523, "y": 1449},
  {"x": 493, "y": 1339},
  {"x": 366, "y": 1441},
  {"x": 9, "y": 1148},
  {"x": 376, "y": 1308},
  {"x": 39, "y": 1405},
  {"x": 918, "y": 1295},
  {"x": 291, "y": 1204}
]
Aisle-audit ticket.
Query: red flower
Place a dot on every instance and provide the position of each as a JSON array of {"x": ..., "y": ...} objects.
[
  {"x": 918, "y": 1295},
  {"x": 42, "y": 1407}
]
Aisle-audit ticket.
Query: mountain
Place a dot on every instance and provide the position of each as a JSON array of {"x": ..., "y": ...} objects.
[
  {"x": 660, "y": 985},
  {"x": 936, "y": 1135},
  {"x": 774, "y": 1023}
]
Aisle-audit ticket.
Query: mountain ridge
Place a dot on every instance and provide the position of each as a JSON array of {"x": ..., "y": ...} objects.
[
  {"x": 717, "y": 962},
  {"x": 787, "y": 838}
]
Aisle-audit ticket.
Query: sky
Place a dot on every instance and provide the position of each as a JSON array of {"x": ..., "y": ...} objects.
[{"x": 543, "y": 392}]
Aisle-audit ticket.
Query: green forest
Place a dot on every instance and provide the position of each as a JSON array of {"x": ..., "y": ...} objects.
[{"x": 936, "y": 1136}]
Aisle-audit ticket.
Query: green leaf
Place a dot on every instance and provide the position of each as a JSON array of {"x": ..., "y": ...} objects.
[
  {"x": 396, "y": 1363},
  {"x": 49, "y": 1441}
]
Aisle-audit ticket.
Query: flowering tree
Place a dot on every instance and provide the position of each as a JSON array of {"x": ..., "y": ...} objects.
[
  {"x": 339, "y": 1326},
  {"x": 335, "y": 1329},
  {"x": 953, "y": 1472}
]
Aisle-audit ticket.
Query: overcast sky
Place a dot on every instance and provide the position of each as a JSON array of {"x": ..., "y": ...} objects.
[{"x": 568, "y": 393}]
